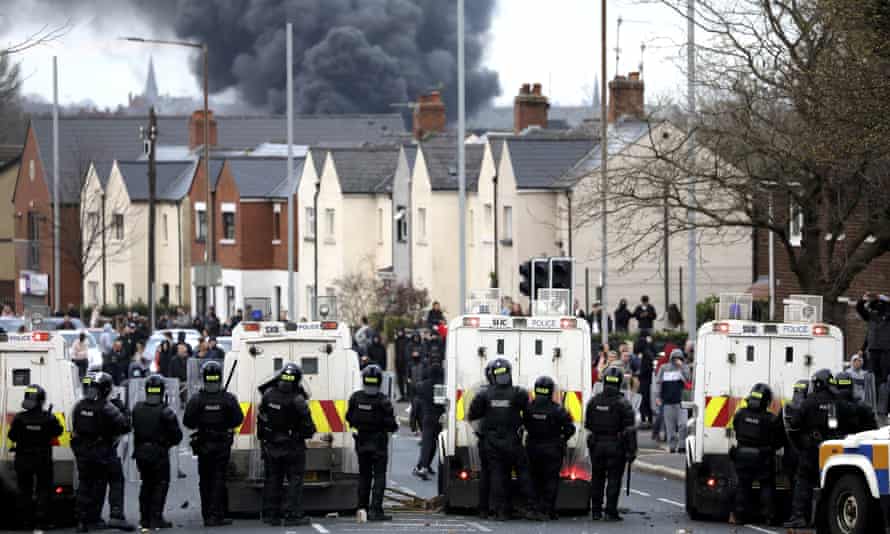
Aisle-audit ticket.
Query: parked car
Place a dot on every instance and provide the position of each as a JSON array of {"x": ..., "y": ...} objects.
[
  {"x": 11, "y": 325},
  {"x": 53, "y": 323}
]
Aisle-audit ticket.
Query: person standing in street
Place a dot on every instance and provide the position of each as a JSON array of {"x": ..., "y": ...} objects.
[
  {"x": 363, "y": 337},
  {"x": 612, "y": 441},
  {"x": 669, "y": 385},
  {"x": 622, "y": 317},
  {"x": 401, "y": 346},
  {"x": 33, "y": 431},
  {"x": 155, "y": 431},
  {"x": 371, "y": 414},
  {"x": 759, "y": 434},
  {"x": 645, "y": 315},
  {"x": 549, "y": 427},
  {"x": 377, "y": 352},
  {"x": 864, "y": 416},
  {"x": 484, "y": 468},
  {"x": 97, "y": 425},
  {"x": 283, "y": 426},
  {"x": 116, "y": 363},
  {"x": 874, "y": 309},
  {"x": 863, "y": 382},
  {"x": 430, "y": 425},
  {"x": 80, "y": 354},
  {"x": 645, "y": 351},
  {"x": 434, "y": 316},
  {"x": 214, "y": 351},
  {"x": 213, "y": 413}
]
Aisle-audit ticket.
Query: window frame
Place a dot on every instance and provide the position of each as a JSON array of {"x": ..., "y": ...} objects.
[
  {"x": 228, "y": 227},
  {"x": 330, "y": 224},
  {"x": 508, "y": 225},
  {"x": 421, "y": 225},
  {"x": 120, "y": 295},
  {"x": 309, "y": 219},
  {"x": 201, "y": 225},
  {"x": 117, "y": 227},
  {"x": 402, "y": 224},
  {"x": 276, "y": 226}
]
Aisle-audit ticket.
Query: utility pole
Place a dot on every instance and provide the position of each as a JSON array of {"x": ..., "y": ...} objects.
[
  {"x": 151, "y": 135},
  {"x": 604, "y": 160},
  {"x": 291, "y": 287},
  {"x": 691, "y": 319},
  {"x": 494, "y": 182},
  {"x": 317, "y": 241},
  {"x": 57, "y": 260},
  {"x": 461, "y": 159}
]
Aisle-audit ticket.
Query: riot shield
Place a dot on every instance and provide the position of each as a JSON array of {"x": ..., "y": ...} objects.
[{"x": 135, "y": 392}]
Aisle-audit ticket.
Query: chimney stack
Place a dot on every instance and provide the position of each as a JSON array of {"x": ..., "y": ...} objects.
[
  {"x": 626, "y": 97},
  {"x": 196, "y": 129},
  {"x": 529, "y": 108},
  {"x": 429, "y": 115}
]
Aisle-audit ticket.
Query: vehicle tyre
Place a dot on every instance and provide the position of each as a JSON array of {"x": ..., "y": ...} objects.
[
  {"x": 849, "y": 506},
  {"x": 691, "y": 510}
]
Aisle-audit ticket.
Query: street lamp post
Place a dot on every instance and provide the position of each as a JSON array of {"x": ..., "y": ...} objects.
[
  {"x": 317, "y": 240},
  {"x": 151, "y": 136}
]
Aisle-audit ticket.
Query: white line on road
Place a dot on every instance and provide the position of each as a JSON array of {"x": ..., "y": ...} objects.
[
  {"x": 640, "y": 493},
  {"x": 320, "y": 529},
  {"x": 764, "y": 530},
  {"x": 477, "y": 526},
  {"x": 668, "y": 501}
]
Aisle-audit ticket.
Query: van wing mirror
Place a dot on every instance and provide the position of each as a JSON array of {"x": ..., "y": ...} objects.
[
  {"x": 557, "y": 352},
  {"x": 255, "y": 351},
  {"x": 730, "y": 357},
  {"x": 481, "y": 352},
  {"x": 808, "y": 360}
]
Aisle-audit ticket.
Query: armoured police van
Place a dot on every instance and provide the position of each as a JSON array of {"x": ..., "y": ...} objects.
[
  {"x": 38, "y": 358},
  {"x": 330, "y": 375},
  {"x": 732, "y": 354},
  {"x": 543, "y": 344}
]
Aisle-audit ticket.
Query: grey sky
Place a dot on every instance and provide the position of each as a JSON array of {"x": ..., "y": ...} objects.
[{"x": 554, "y": 42}]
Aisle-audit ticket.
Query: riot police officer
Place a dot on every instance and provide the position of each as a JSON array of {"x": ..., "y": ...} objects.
[
  {"x": 818, "y": 420},
  {"x": 759, "y": 434},
  {"x": 549, "y": 427},
  {"x": 155, "y": 430},
  {"x": 116, "y": 479},
  {"x": 501, "y": 408},
  {"x": 213, "y": 413},
  {"x": 97, "y": 425},
  {"x": 612, "y": 442},
  {"x": 864, "y": 418},
  {"x": 484, "y": 469},
  {"x": 33, "y": 431},
  {"x": 370, "y": 412},
  {"x": 283, "y": 426}
]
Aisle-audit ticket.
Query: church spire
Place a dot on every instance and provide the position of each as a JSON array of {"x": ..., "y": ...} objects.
[
  {"x": 597, "y": 103},
  {"x": 151, "y": 85}
]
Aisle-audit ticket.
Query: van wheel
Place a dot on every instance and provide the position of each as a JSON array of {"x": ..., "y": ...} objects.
[
  {"x": 849, "y": 506},
  {"x": 691, "y": 511}
]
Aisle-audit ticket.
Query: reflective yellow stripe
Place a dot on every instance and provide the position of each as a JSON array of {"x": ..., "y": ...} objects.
[
  {"x": 65, "y": 438},
  {"x": 573, "y": 405},
  {"x": 245, "y": 407},
  {"x": 712, "y": 410},
  {"x": 341, "y": 406},
  {"x": 459, "y": 408},
  {"x": 738, "y": 406},
  {"x": 319, "y": 417}
]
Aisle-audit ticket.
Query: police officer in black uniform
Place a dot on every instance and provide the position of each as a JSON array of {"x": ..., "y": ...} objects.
[
  {"x": 484, "y": 468},
  {"x": 283, "y": 426},
  {"x": 431, "y": 413},
  {"x": 213, "y": 413},
  {"x": 155, "y": 430},
  {"x": 612, "y": 442},
  {"x": 501, "y": 408},
  {"x": 549, "y": 427},
  {"x": 370, "y": 412},
  {"x": 864, "y": 416},
  {"x": 818, "y": 420},
  {"x": 97, "y": 426},
  {"x": 759, "y": 434},
  {"x": 33, "y": 431},
  {"x": 116, "y": 479}
]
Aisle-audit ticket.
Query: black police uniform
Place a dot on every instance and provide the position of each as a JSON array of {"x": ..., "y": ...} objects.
[
  {"x": 759, "y": 434},
  {"x": 373, "y": 417},
  {"x": 431, "y": 413},
  {"x": 116, "y": 477},
  {"x": 33, "y": 432},
  {"x": 283, "y": 425},
  {"x": 213, "y": 416},
  {"x": 612, "y": 441},
  {"x": 549, "y": 426},
  {"x": 501, "y": 409},
  {"x": 97, "y": 426},
  {"x": 484, "y": 467},
  {"x": 155, "y": 430}
]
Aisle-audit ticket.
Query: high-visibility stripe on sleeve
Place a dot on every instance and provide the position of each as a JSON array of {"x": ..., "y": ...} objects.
[{"x": 459, "y": 405}]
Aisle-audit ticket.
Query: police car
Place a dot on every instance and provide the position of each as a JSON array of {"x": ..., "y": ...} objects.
[
  {"x": 543, "y": 344},
  {"x": 732, "y": 354},
  {"x": 330, "y": 375},
  {"x": 37, "y": 358}
]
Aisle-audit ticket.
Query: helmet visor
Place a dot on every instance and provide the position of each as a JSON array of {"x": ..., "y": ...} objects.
[
  {"x": 212, "y": 383},
  {"x": 286, "y": 383},
  {"x": 502, "y": 376},
  {"x": 154, "y": 394},
  {"x": 92, "y": 392}
]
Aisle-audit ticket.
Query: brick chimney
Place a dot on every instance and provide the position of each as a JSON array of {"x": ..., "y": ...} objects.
[
  {"x": 626, "y": 97},
  {"x": 429, "y": 115},
  {"x": 529, "y": 108},
  {"x": 196, "y": 129}
]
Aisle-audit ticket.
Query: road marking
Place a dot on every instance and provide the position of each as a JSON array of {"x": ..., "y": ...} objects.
[
  {"x": 640, "y": 493},
  {"x": 764, "y": 530},
  {"x": 668, "y": 501},
  {"x": 320, "y": 529},
  {"x": 477, "y": 526}
]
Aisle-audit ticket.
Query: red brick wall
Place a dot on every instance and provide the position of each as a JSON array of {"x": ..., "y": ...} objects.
[
  {"x": 279, "y": 252},
  {"x": 228, "y": 256},
  {"x": 32, "y": 196},
  {"x": 529, "y": 108},
  {"x": 197, "y": 193}
]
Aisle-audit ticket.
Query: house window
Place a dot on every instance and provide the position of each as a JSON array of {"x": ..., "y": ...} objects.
[
  {"x": 401, "y": 224},
  {"x": 379, "y": 226},
  {"x": 310, "y": 222},
  {"x": 165, "y": 294},
  {"x": 164, "y": 228},
  {"x": 795, "y": 229},
  {"x": 228, "y": 220},
  {"x": 489, "y": 221},
  {"x": 230, "y": 301},
  {"x": 421, "y": 224},
  {"x": 276, "y": 225},
  {"x": 117, "y": 226},
  {"x": 201, "y": 299},
  {"x": 119, "y": 299},
  {"x": 329, "y": 223},
  {"x": 508, "y": 223},
  {"x": 94, "y": 293},
  {"x": 201, "y": 225},
  {"x": 31, "y": 170},
  {"x": 92, "y": 223}
]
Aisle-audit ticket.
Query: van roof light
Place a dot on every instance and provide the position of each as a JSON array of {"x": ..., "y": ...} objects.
[
  {"x": 721, "y": 328},
  {"x": 251, "y": 327}
]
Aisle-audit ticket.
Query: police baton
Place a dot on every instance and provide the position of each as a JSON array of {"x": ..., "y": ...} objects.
[
  {"x": 627, "y": 482},
  {"x": 231, "y": 373}
]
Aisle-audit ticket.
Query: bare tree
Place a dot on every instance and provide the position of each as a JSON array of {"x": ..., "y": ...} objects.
[
  {"x": 45, "y": 34},
  {"x": 11, "y": 117},
  {"x": 357, "y": 295},
  {"x": 793, "y": 135}
]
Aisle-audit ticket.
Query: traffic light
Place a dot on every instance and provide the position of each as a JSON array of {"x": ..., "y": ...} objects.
[
  {"x": 525, "y": 278},
  {"x": 542, "y": 275},
  {"x": 562, "y": 273}
]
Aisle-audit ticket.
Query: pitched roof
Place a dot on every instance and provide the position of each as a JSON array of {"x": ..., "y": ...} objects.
[
  {"x": 9, "y": 154},
  {"x": 538, "y": 163},
  {"x": 365, "y": 170},
  {"x": 440, "y": 154},
  {"x": 173, "y": 178},
  {"x": 263, "y": 177},
  {"x": 501, "y": 117},
  {"x": 621, "y": 135}
]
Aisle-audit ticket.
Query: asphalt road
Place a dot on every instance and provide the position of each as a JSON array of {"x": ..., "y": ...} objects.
[{"x": 655, "y": 505}]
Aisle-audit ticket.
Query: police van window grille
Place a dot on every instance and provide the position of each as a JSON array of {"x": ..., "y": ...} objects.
[
  {"x": 500, "y": 347},
  {"x": 749, "y": 353},
  {"x": 309, "y": 365},
  {"x": 789, "y": 354},
  {"x": 277, "y": 363},
  {"x": 539, "y": 347},
  {"x": 21, "y": 377}
]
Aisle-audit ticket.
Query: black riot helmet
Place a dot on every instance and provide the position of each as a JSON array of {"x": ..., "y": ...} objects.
[
  {"x": 544, "y": 387},
  {"x": 372, "y": 379},
  {"x": 86, "y": 382},
  {"x": 612, "y": 378},
  {"x": 489, "y": 377},
  {"x": 801, "y": 387},
  {"x": 501, "y": 371},
  {"x": 211, "y": 374},
  {"x": 822, "y": 380},
  {"x": 760, "y": 398},
  {"x": 844, "y": 384},
  {"x": 35, "y": 396},
  {"x": 100, "y": 386},
  {"x": 289, "y": 377},
  {"x": 155, "y": 389}
]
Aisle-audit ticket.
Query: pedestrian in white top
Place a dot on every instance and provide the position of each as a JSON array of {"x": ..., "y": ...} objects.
[{"x": 80, "y": 354}]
